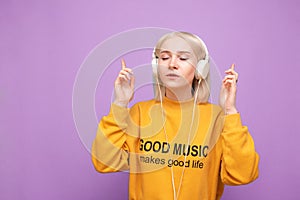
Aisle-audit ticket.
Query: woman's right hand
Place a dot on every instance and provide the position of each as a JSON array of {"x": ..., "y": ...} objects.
[{"x": 124, "y": 86}]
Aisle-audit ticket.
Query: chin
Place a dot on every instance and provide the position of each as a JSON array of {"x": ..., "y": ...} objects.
[{"x": 176, "y": 85}]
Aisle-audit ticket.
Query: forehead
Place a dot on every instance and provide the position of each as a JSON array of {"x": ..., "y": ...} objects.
[{"x": 176, "y": 44}]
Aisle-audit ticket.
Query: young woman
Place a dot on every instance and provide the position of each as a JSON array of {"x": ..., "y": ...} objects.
[{"x": 178, "y": 145}]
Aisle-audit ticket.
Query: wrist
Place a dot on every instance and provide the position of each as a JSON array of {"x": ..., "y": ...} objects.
[
  {"x": 121, "y": 103},
  {"x": 231, "y": 111}
]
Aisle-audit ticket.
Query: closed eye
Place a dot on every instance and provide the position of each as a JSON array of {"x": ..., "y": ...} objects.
[{"x": 183, "y": 59}]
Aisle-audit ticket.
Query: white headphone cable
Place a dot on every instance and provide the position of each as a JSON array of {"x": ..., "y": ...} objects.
[
  {"x": 176, "y": 194},
  {"x": 189, "y": 136}
]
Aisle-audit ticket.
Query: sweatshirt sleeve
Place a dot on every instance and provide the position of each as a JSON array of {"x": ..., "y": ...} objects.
[
  {"x": 239, "y": 160},
  {"x": 110, "y": 148}
]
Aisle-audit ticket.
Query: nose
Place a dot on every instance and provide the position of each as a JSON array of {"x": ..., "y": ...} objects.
[{"x": 173, "y": 63}]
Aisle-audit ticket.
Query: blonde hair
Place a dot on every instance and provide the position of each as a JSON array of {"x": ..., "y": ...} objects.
[{"x": 199, "y": 52}]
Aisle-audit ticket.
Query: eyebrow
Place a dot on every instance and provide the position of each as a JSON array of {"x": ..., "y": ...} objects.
[{"x": 180, "y": 52}]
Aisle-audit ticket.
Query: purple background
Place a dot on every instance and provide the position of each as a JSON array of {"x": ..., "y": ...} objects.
[{"x": 43, "y": 43}]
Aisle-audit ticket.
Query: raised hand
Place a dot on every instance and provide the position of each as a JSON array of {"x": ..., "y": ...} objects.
[
  {"x": 228, "y": 91},
  {"x": 124, "y": 86}
]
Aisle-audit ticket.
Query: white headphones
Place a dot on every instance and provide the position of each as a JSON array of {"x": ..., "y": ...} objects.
[
  {"x": 202, "y": 68},
  {"x": 201, "y": 72}
]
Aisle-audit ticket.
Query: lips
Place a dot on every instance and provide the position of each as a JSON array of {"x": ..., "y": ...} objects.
[{"x": 172, "y": 75}]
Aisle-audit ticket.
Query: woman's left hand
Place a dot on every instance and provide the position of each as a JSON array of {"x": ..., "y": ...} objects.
[{"x": 228, "y": 91}]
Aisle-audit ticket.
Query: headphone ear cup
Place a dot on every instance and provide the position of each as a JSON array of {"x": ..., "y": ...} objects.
[
  {"x": 154, "y": 65},
  {"x": 202, "y": 69}
]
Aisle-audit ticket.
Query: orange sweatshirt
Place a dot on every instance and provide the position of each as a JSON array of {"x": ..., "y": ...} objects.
[{"x": 163, "y": 162}]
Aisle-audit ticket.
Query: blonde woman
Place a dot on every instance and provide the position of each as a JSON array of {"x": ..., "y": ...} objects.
[{"x": 177, "y": 145}]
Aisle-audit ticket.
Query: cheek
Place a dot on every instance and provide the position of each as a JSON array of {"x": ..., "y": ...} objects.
[
  {"x": 189, "y": 73},
  {"x": 163, "y": 64},
  {"x": 161, "y": 68}
]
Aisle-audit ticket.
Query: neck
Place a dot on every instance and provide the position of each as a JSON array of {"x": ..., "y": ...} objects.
[{"x": 179, "y": 94}]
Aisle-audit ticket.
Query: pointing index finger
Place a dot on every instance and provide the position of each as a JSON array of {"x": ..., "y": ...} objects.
[
  {"x": 232, "y": 66},
  {"x": 123, "y": 63}
]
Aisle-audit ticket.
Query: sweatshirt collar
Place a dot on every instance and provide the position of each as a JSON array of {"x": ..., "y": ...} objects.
[{"x": 172, "y": 102}]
